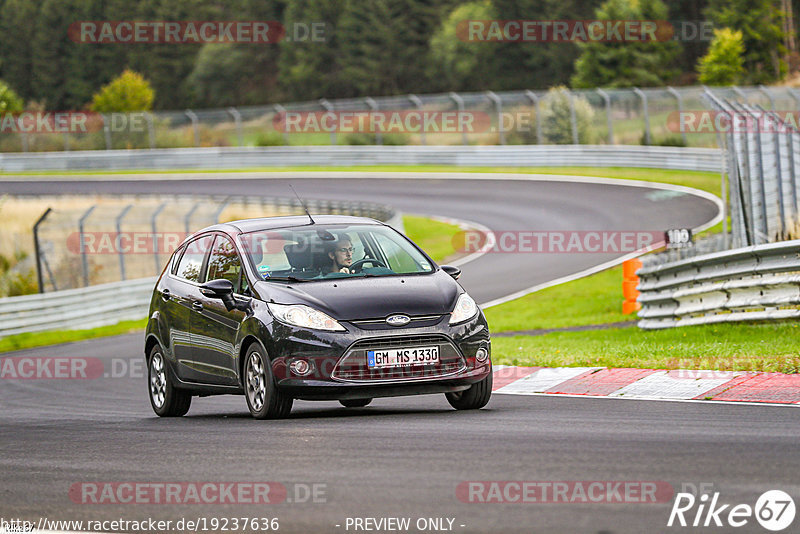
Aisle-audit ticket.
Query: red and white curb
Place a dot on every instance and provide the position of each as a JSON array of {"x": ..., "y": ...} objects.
[{"x": 729, "y": 386}]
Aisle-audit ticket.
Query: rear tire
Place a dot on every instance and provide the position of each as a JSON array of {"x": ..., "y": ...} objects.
[
  {"x": 165, "y": 398},
  {"x": 474, "y": 398},
  {"x": 355, "y": 403},
  {"x": 264, "y": 399}
]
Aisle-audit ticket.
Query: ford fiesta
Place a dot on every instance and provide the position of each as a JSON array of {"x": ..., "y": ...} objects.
[{"x": 329, "y": 308}]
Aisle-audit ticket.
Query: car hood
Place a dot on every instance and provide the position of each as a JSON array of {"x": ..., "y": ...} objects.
[{"x": 350, "y": 299}]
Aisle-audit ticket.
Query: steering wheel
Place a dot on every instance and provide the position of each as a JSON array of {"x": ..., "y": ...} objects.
[{"x": 356, "y": 265}]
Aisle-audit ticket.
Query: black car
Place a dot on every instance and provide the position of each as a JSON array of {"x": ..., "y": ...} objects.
[{"x": 324, "y": 308}]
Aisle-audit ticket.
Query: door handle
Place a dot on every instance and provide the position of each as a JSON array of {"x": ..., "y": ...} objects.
[
  {"x": 165, "y": 294},
  {"x": 197, "y": 305}
]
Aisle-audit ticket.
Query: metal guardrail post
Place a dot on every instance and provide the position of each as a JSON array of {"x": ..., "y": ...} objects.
[
  {"x": 188, "y": 217},
  {"x": 779, "y": 172},
  {"x": 84, "y": 259},
  {"x": 154, "y": 227},
  {"x": 641, "y": 94},
  {"x": 237, "y": 120},
  {"x": 418, "y": 103},
  {"x": 573, "y": 120},
  {"x": 24, "y": 141},
  {"x": 455, "y": 97},
  {"x": 373, "y": 106},
  {"x": 118, "y": 227},
  {"x": 679, "y": 98},
  {"x": 37, "y": 249},
  {"x": 609, "y": 121},
  {"x": 195, "y": 125},
  {"x": 535, "y": 101},
  {"x": 282, "y": 110},
  {"x": 739, "y": 93},
  {"x": 329, "y": 109},
  {"x": 106, "y": 131},
  {"x": 220, "y": 209},
  {"x": 498, "y": 105},
  {"x": 151, "y": 129},
  {"x": 767, "y": 92},
  {"x": 761, "y": 183},
  {"x": 66, "y": 142}
]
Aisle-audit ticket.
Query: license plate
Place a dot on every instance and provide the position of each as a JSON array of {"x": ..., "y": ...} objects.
[{"x": 402, "y": 357}]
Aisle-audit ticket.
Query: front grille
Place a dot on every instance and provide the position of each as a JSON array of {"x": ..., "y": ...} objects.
[
  {"x": 353, "y": 365},
  {"x": 381, "y": 324}
]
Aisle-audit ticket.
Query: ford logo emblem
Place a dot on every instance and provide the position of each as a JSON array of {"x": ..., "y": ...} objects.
[{"x": 398, "y": 320}]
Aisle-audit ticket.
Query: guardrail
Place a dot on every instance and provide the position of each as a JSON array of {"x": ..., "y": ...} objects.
[
  {"x": 87, "y": 307},
  {"x": 760, "y": 282},
  {"x": 654, "y": 157}
]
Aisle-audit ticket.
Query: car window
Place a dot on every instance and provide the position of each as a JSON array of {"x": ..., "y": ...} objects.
[
  {"x": 399, "y": 260},
  {"x": 224, "y": 263},
  {"x": 192, "y": 259}
]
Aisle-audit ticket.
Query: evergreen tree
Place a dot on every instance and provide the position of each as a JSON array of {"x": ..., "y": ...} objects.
[
  {"x": 16, "y": 35},
  {"x": 724, "y": 63},
  {"x": 625, "y": 63},
  {"x": 760, "y": 23},
  {"x": 51, "y": 49}
]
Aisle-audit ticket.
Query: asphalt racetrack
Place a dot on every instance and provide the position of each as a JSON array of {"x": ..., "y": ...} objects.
[{"x": 403, "y": 457}]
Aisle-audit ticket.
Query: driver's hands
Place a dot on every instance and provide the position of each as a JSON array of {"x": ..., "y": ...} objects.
[{"x": 345, "y": 270}]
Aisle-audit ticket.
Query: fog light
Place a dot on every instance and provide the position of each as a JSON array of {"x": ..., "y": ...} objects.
[
  {"x": 482, "y": 354},
  {"x": 300, "y": 367}
]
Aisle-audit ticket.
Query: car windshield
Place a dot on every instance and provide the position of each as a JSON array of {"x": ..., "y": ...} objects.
[{"x": 322, "y": 252}]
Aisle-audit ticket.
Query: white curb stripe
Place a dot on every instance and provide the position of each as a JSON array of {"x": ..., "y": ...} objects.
[
  {"x": 662, "y": 385},
  {"x": 543, "y": 379}
]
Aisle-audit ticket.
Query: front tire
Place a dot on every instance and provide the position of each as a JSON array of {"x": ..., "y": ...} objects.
[
  {"x": 355, "y": 403},
  {"x": 474, "y": 398},
  {"x": 264, "y": 399},
  {"x": 165, "y": 398}
]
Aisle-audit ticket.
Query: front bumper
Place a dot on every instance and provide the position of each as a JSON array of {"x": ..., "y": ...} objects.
[{"x": 338, "y": 361}]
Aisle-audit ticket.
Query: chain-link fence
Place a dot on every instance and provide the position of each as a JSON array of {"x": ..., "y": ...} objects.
[
  {"x": 619, "y": 116},
  {"x": 121, "y": 238}
]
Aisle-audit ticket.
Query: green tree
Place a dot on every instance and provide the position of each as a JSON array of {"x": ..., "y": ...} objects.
[
  {"x": 51, "y": 50},
  {"x": 309, "y": 69},
  {"x": 724, "y": 63},
  {"x": 10, "y": 102},
  {"x": 624, "y": 63},
  {"x": 456, "y": 63},
  {"x": 129, "y": 92},
  {"x": 760, "y": 22},
  {"x": 535, "y": 65},
  {"x": 16, "y": 34},
  {"x": 383, "y": 46},
  {"x": 556, "y": 117}
]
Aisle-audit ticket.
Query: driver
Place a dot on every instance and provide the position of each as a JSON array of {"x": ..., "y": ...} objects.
[{"x": 341, "y": 255}]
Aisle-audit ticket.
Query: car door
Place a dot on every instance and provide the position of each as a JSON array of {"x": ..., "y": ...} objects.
[
  {"x": 215, "y": 328},
  {"x": 180, "y": 296}
]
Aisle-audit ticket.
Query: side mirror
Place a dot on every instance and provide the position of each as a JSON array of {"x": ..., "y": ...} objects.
[
  {"x": 220, "y": 289},
  {"x": 455, "y": 272}
]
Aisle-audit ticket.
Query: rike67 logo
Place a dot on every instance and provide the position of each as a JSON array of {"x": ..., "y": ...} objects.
[{"x": 774, "y": 510}]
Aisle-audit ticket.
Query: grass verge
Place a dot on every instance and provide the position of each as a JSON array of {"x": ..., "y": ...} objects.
[
  {"x": 726, "y": 347},
  {"x": 55, "y": 337},
  {"x": 434, "y": 237}
]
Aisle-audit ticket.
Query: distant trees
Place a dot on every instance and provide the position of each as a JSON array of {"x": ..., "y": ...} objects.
[
  {"x": 351, "y": 48},
  {"x": 129, "y": 92},
  {"x": 10, "y": 102},
  {"x": 724, "y": 63},
  {"x": 761, "y": 24},
  {"x": 627, "y": 63}
]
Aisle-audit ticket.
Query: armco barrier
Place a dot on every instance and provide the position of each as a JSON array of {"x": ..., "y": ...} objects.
[
  {"x": 87, "y": 307},
  {"x": 655, "y": 157},
  {"x": 753, "y": 283}
]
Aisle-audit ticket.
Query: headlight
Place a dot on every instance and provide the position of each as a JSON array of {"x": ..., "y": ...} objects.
[
  {"x": 304, "y": 316},
  {"x": 465, "y": 309}
]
